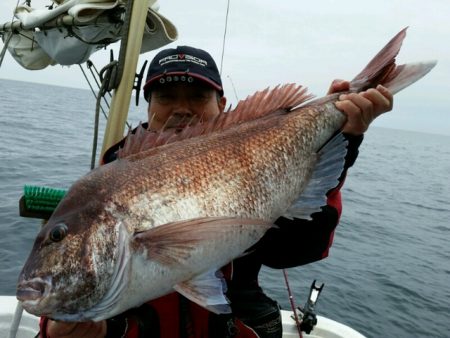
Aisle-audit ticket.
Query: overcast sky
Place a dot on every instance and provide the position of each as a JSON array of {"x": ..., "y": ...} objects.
[{"x": 307, "y": 42}]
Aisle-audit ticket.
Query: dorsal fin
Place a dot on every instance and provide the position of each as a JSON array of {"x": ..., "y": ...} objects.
[
  {"x": 280, "y": 99},
  {"x": 265, "y": 102}
]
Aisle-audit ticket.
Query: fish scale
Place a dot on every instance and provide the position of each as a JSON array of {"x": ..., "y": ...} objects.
[{"x": 204, "y": 161}]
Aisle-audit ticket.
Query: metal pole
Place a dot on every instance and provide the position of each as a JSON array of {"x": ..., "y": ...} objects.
[{"x": 121, "y": 99}]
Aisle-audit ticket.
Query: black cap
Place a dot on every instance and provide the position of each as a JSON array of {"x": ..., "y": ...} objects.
[{"x": 183, "y": 63}]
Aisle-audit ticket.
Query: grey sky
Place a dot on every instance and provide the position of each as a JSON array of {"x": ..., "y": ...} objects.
[{"x": 311, "y": 43}]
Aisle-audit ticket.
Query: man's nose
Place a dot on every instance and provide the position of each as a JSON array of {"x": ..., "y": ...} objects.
[
  {"x": 182, "y": 107},
  {"x": 183, "y": 116}
]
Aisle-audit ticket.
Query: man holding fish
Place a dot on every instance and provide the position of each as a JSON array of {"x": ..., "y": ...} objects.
[{"x": 183, "y": 88}]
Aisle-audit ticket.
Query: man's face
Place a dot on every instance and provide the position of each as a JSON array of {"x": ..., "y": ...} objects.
[{"x": 175, "y": 105}]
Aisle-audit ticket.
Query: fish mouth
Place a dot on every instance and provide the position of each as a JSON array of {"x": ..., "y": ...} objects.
[{"x": 32, "y": 291}]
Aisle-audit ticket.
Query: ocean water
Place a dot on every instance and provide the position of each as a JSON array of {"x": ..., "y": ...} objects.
[{"x": 388, "y": 273}]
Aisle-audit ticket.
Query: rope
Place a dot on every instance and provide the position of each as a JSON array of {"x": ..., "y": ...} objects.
[
  {"x": 5, "y": 47},
  {"x": 98, "y": 106},
  {"x": 90, "y": 66},
  {"x": 293, "y": 307},
  {"x": 93, "y": 91},
  {"x": 224, "y": 36},
  {"x": 101, "y": 93},
  {"x": 234, "y": 89}
]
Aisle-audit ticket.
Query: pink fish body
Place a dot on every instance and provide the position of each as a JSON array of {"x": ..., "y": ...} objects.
[{"x": 173, "y": 209}]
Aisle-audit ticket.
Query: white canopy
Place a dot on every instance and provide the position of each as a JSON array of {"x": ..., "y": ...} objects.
[{"x": 36, "y": 46}]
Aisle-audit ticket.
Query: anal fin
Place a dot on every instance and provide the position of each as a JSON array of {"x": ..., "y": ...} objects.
[{"x": 207, "y": 290}]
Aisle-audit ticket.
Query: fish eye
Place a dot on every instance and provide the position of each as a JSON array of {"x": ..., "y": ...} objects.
[{"x": 58, "y": 232}]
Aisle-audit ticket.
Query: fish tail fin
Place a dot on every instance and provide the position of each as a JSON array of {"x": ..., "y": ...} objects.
[{"x": 383, "y": 70}]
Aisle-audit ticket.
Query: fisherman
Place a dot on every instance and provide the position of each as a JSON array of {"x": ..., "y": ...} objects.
[{"x": 183, "y": 86}]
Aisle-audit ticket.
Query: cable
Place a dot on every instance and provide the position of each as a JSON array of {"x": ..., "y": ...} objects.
[
  {"x": 224, "y": 36},
  {"x": 93, "y": 91},
  {"x": 5, "y": 47}
]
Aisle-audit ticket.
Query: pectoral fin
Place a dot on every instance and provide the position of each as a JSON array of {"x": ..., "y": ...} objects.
[
  {"x": 325, "y": 177},
  {"x": 175, "y": 242},
  {"x": 207, "y": 290}
]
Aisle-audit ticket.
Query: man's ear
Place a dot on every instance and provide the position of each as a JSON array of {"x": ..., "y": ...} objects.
[
  {"x": 149, "y": 114},
  {"x": 222, "y": 103}
]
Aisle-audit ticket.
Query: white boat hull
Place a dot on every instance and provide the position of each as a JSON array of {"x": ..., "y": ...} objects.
[
  {"x": 325, "y": 328},
  {"x": 29, "y": 324}
]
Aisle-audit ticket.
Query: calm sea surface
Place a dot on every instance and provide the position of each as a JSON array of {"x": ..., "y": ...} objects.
[{"x": 388, "y": 274}]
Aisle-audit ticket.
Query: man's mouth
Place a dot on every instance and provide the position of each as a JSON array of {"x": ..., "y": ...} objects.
[{"x": 181, "y": 124}]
